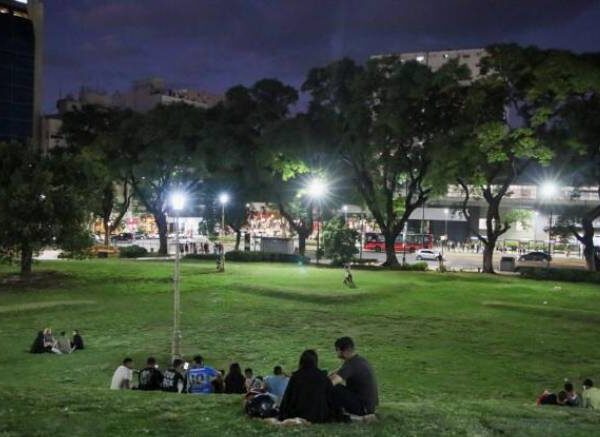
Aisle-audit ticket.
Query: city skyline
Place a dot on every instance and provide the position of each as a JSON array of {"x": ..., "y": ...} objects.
[{"x": 203, "y": 45}]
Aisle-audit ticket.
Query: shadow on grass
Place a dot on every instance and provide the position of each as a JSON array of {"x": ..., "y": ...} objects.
[
  {"x": 299, "y": 296},
  {"x": 545, "y": 311},
  {"x": 37, "y": 280}
]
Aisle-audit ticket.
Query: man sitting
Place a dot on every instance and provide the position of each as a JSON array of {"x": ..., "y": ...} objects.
[
  {"x": 359, "y": 396},
  {"x": 200, "y": 378},
  {"x": 173, "y": 379},
  {"x": 590, "y": 398},
  {"x": 77, "y": 342},
  {"x": 63, "y": 344},
  {"x": 150, "y": 377},
  {"x": 277, "y": 383},
  {"x": 122, "y": 377}
]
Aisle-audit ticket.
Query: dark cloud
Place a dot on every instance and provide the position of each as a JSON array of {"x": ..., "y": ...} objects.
[{"x": 217, "y": 43}]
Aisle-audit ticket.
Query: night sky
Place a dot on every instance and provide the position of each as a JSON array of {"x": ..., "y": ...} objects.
[{"x": 215, "y": 44}]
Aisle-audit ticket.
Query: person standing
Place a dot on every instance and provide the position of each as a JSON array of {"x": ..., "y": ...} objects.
[
  {"x": 355, "y": 387},
  {"x": 122, "y": 377}
]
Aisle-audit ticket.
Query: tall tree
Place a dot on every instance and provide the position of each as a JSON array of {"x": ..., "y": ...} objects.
[
  {"x": 510, "y": 110},
  {"x": 95, "y": 131},
  {"x": 387, "y": 121},
  {"x": 43, "y": 199},
  {"x": 165, "y": 157}
]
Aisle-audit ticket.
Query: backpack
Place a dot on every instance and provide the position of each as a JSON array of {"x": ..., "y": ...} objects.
[{"x": 262, "y": 406}]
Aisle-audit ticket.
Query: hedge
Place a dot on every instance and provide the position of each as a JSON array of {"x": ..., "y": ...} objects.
[
  {"x": 554, "y": 274},
  {"x": 134, "y": 251},
  {"x": 242, "y": 256}
]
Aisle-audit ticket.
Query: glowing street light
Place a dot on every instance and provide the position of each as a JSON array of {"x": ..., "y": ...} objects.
[
  {"x": 223, "y": 200},
  {"x": 345, "y": 209},
  {"x": 316, "y": 190},
  {"x": 177, "y": 204}
]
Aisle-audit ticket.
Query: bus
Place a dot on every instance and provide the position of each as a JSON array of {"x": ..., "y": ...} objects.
[{"x": 404, "y": 243}]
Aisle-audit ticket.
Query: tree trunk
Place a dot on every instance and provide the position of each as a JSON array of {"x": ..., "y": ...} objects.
[
  {"x": 488, "y": 255},
  {"x": 105, "y": 223},
  {"x": 161, "y": 223},
  {"x": 301, "y": 243},
  {"x": 589, "y": 251},
  {"x": 238, "y": 237},
  {"x": 26, "y": 259},
  {"x": 390, "y": 249}
]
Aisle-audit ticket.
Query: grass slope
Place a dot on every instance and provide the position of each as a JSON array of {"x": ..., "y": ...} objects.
[{"x": 454, "y": 354}]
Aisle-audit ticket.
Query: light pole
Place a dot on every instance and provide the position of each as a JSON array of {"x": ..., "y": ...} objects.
[
  {"x": 446, "y": 212},
  {"x": 177, "y": 204},
  {"x": 549, "y": 189},
  {"x": 223, "y": 199},
  {"x": 345, "y": 208},
  {"x": 316, "y": 190}
]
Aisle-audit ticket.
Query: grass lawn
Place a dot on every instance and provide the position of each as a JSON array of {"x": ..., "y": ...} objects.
[{"x": 454, "y": 353}]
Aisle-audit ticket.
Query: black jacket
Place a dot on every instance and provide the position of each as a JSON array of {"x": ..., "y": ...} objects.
[
  {"x": 235, "y": 383},
  {"x": 308, "y": 395}
]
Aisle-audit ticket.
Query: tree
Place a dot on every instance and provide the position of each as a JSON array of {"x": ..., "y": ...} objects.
[
  {"x": 510, "y": 109},
  {"x": 388, "y": 121},
  {"x": 579, "y": 129},
  {"x": 96, "y": 132},
  {"x": 43, "y": 200},
  {"x": 166, "y": 156},
  {"x": 339, "y": 241}
]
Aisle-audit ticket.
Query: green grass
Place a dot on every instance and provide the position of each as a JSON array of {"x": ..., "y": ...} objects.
[{"x": 454, "y": 354}]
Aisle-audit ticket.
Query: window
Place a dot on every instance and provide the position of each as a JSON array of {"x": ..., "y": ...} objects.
[{"x": 420, "y": 58}]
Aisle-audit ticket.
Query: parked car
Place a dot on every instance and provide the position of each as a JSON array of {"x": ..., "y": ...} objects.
[
  {"x": 536, "y": 256},
  {"x": 427, "y": 255},
  {"x": 123, "y": 236}
]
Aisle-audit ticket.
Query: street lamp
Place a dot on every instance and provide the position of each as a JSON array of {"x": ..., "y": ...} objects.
[
  {"x": 177, "y": 204},
  {"x": 223, "y": 199},
  {"x": 549, "y": 189},
  {"x": 317, "y": 189}
]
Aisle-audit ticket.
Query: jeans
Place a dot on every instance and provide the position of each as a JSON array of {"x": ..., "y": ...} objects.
[{"x": 348, "y": 400}]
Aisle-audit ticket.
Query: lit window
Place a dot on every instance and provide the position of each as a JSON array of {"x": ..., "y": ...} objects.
[
  {"x": 446, "y": 55},
  {"x": 420, "y": 58}
]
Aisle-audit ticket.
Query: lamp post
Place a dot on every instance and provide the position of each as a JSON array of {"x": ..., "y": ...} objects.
[
  {"x": 223, "y": 199},
  {"x": 177, "y": 204},
  {"x": 548, "y": 191},
  {"x": 446, "y": 212},
  {"x": 316, "y": 190}
]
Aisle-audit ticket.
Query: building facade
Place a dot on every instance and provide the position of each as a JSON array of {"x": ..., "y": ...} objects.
[{"x": 21, "y": 48}]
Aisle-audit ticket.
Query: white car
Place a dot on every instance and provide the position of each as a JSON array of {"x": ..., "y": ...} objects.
[{"x": 427, "y": 255}]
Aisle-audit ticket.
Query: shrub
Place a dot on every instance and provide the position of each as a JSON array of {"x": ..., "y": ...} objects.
[
  {"x": 416, "y": 267},
  {"x": 242, "y": 256},
  {"x": 553, "y": 274},
  {"x": 339, "y": 242},
  {"x": 201, "y": 256},
  {"x": 134, "y": 251}
]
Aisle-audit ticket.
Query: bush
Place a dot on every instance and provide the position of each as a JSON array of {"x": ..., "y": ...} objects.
[
  {"x": 134, "y": 251},
  {"x": 416, "y": 267},
  {"x": 553, "y": 274},
  {"x": 241, "y": 256},
  {"x": 339, "y": 242},
  {"x": 201, "y": 256}
]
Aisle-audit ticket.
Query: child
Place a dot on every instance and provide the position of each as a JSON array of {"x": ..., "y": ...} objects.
[{"x": 348, "y": 280}]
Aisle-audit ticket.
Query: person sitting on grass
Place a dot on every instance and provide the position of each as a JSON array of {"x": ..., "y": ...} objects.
[
  {"x": 573, "y": 399},
  {"x": 590, "y": 398},
  {"x": 173, "y": 379},
  {"x": 63, "y": 344},
  {"x": 201, "y": 378},
  {"x": 277, "y": 383},
  {"x": 77, "y": 342},
  {"x": 122, "y": 377},
  {"x": 234, "y": 381},
  {"x": 50, "y": 342},
  {"x": 150, "y": 378},
  {"x": 309, "y": 392},
  {"x": 38, "y": 344},
  {"x": 249, "y": 378},
  {"x": 359, "y": 395}
]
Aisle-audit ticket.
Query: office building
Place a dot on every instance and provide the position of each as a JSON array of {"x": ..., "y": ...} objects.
[{"x": 21, "y": 49}]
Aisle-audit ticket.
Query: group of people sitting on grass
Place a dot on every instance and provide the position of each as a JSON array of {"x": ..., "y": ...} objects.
[
  {"x": 309, "y": 394},
  {"x": 568, "y": 397},
  {"x": 46, "y": 342}
]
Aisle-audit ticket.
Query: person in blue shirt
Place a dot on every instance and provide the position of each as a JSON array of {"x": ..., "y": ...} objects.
[
  {"x": 201, "y": 378},
  {"x": 277, "y": 383}
]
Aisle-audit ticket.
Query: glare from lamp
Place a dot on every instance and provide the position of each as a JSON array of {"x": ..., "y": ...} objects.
[
  {"x": 177, "y": 201},
  {"x": 223, "y": 198}
]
